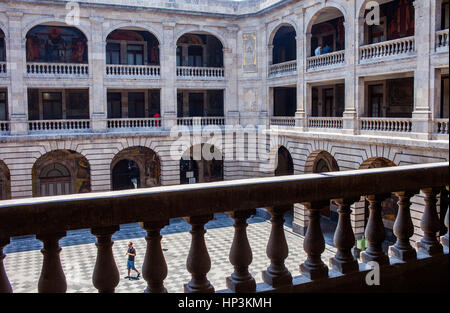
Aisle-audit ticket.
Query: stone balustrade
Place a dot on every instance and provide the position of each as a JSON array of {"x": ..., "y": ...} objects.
[
  {"x": 283, "y": 121},
  {"x": 324, "y": 61},
  {"x": 386, "y": 124},
  {"x": 201, "y": 121},
  {"x": 133, "y": 71},
  {"x": 208, "y": 73},
  {"x": 59, "y": 125},
  {"x": 387, "y": 49},
  {"x": 3, "y": 68},
  {"x": 441, "y": 126},
  {"x": 282, "y": 69},
  {"x": 49, "y": 218},
  {"x": 120, "y": 123},
  {"x": 57, "y": 70},
  {"x": 442, "y": 39},
  {"x": 4, "y": 127},
  {"x": 325, "y": 122}
]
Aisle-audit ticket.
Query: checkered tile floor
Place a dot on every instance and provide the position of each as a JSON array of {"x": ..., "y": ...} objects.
[{"x": 23, "y": 267}]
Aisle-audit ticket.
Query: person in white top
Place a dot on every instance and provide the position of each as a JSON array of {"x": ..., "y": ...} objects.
[{"x": 318, "y": 50}]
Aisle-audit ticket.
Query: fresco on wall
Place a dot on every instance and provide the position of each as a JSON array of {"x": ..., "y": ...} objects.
[
  {"x": 74, "y": 162},
  {"x": 138, "y": 36},
  {"x": 56, "y": 44},
  {"x": 249, "y": 52}
]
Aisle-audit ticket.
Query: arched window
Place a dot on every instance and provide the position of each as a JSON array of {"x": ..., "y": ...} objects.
[{"x": 55, "y": 180}]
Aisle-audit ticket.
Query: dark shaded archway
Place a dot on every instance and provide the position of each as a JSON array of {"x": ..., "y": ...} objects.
[
  {"x": 194, "y": 168},
  {"x": 135, "y": 167},
  {"x": 5, "y": 182}
]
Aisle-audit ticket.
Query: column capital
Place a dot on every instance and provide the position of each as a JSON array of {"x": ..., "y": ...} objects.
[{"x": 14, "y": 14}]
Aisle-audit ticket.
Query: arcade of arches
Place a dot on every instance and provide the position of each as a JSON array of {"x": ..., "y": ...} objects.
[{"x": 61, "y": 172}]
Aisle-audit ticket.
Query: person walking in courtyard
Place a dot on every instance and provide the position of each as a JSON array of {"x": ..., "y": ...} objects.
[{"x": 131, "y": 252}]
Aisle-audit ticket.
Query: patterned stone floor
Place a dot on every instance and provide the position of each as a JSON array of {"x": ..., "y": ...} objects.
[{"x": 24, "y": 260}]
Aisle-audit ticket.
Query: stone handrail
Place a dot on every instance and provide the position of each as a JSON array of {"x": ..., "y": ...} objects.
[
  {"x": 58, "y": 125},
  {"x": 442, "y": 39},
  {"x": 325, "y": 60},
  {"x": 119, "y": 123},
  {"x": 49, "y": 218},
  {"x": 3, "y": 68},
  {"x": 57, "y": 69},
  {"x": 4, "y": 127},
  {"x": 282, "y": 121},
  {"x": 386, "y": 124},
  {"x": 281, "y": 69},
  {"x": 133, "y": 71},
  {"x": 441, "y": 126},
  {"x": 402, "y": 46},
  {"x": 325, "y": 122},
  {"x": 201, "y": 121},
  {"x": 192, "y": 72}
]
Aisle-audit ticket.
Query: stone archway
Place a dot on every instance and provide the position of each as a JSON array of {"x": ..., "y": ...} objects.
[
  {"x": 195, "y": 168},
  {"x": 285, "y": 164},
  {"x": 5, "y": 182},
  {"x": 61, "y": 172},
  {"x": 321, "y": 161},
  {"x": 135, "y": 167}
]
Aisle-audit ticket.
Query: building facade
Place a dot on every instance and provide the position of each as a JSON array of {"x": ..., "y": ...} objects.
[{"x": 90, "y": 91}]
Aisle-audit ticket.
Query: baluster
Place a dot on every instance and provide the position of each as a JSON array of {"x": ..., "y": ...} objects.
[
  {"x": 344, "y": 239},
  {"x": 277, "y": 274},
  {"x": 403, "y": 229},
  {"x": 198, "y": 261},
  {"x": 106, "y": 275},
  {"x": 154, "y": 269},
  {"x": 444, "y": 239},
  {"x": 430, "y": 225},
  {"x": 241, "y": 254},
  {"x": 5, "y": 286},
  {"x": 314, "y": 244},
  {"x": 375, "y": 232},
  {"x": 52, "y": 279}
]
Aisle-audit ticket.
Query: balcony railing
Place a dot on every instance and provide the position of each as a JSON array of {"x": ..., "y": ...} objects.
[
  {"x": 58, "y": 125},
  {"x": 325, "y": 122},
  {"x": 4, "y": 127},
  {"x": 133, "y": 71},
  {"x": 283, "y": 69},
  {"x": 204, "y": 73},
  {"x": 282, "y": 121},
  {"x": 442, "y": 40},
  {"x": 49, "y": 218},
  {"x": 401, "y": 125},
  {"x": 201, "y": 121},
  {"x": 441, "y": 126},
  {"x": 324, "y": 61},
  {"x": 57, "y": 70},
  {"x": 120, "y": 123},
  {"x": 3, "y": 68},
  {"x": 387, "y": 49}
]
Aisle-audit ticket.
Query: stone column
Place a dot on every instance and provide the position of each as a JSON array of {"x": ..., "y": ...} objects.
[
  {"x": 351, "y": 81},
  {"x": 230, "y": 62},
  {"x": 300, "y": 113},
  {"x": 422, "y": 114},
  {"x": 18, "y": 110},
  {"x": 97, "y": 60},
  {"x": 168, "y": 75}
]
